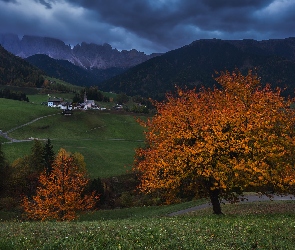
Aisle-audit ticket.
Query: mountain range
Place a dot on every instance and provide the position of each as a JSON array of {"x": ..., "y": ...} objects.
[
  {"x": 193, "y": 65},
  {"x": 85, "y": 55}
]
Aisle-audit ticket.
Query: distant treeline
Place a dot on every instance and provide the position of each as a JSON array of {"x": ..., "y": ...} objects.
[
  {"x": 58, "y": 87},
  {"x": 15, "y": 95},
  {"x": 92, "y": 93}
]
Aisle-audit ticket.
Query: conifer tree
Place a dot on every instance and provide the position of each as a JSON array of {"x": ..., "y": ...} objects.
[
  {"x": 48, "y": 156},
  {"x": 4, "y": 171}
]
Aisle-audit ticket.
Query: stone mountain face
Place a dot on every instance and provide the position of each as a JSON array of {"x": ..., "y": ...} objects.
[{"x": 85, "y": 55}]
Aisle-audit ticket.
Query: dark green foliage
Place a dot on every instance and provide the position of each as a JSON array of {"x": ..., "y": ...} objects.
[
  {"x": 17, "y": 72},
  {"x": 92, "y": 93},
  {"x": 26, "y": 170},
  {"x": 9, "y": 94},
  {"x": 48, "y": 156},
  {"x": 139, "y": 109},
  {"x": 4, "y": 172},
  {"x": 122, "y": 98},
  {"x": 57, "y": 87},
  {"x": 96, "y": 185},
  {"x": 37, "y": 158},
  {"x": 143, "y": 101}
]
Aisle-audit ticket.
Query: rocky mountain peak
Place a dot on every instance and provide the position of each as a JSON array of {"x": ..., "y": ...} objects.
[{"x": 86, "y": 55}]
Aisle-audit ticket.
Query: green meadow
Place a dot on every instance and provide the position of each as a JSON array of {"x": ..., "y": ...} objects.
[
  {"x": 15, "y": 113},
  {"x": 107, "y": 139},
  {"x": 244, "y": 227}
]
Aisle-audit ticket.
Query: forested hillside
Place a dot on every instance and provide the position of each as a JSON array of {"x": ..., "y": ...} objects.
[
  {"x": 195, "y": 65},
  {"x": 17, "y": 72},
  {"x": 66, "y": 71}
]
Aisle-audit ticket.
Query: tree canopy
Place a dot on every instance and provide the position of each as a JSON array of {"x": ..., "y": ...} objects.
[
  {"x": 60, "y": 194},
  {"x": 219, "y": 142}
]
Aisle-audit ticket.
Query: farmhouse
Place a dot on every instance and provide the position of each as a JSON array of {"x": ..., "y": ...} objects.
[
  {"x": 54, "y": 101},
  {"x": 65, "y": 106}
]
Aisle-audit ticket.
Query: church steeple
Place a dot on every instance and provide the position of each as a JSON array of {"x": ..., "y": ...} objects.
[{"x": 85, "y": 97}]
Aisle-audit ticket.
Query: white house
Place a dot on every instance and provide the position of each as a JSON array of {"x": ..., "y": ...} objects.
[
  {"x": 54, "y": 101},
  {"x": 65, "y": 106}
]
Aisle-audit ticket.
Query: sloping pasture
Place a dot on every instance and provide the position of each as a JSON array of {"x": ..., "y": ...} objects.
[{"x": 106, "y": 139}]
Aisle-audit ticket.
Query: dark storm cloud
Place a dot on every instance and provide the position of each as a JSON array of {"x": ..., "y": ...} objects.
[
  {"x": 155, "y": 25},
  {"x": 47, "y": 4},
  {"x": 9, "y": 1},
  {"x": 171, "y": 22},
  {"x": 235, "y": 4}
]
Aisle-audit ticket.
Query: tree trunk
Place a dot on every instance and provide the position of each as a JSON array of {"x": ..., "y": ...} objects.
[{"x": 214, "y": 197}]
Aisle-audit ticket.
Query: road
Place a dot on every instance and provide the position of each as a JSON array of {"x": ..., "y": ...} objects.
[
  {"x": 249, "y": 198},
  {"x": 11, "y": 140}
]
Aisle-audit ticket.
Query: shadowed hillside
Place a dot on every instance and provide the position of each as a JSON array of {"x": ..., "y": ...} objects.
[
  {"x": 66, "y": 71},
  {"x": 194, "y": 65},
  {"x": 17, "y": 72}
]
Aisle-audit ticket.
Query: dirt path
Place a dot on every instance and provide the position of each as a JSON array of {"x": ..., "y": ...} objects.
[
  {"x": 11, "y": 140},
  {"x": 249, "y": 198}
]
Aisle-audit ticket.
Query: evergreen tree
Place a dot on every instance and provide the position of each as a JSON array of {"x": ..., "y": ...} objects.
[
  {"x": 36, "y": 158},
  {"x": 48, "y": 156},
  {"x": 4, "y": 170},
  {"x": 26, "y": 171}
]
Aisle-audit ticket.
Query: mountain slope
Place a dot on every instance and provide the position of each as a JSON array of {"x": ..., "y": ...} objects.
[
  {"x": 64, "y": 70},
  {"x": 17, "y": 72},
  {"x": 194, "y": 66}
]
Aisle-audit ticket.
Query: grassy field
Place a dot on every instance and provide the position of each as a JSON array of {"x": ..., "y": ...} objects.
[
  {"x": 107, "y": 139},
  {"x": 241, "y": 228},
  {"x": 15, "y": 113}
]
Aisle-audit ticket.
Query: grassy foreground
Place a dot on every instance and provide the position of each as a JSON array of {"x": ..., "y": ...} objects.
[{"x": 274, "y": 229}]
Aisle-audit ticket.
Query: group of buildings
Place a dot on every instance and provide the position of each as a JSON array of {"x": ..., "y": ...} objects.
[{"x": 60, "y": 103}]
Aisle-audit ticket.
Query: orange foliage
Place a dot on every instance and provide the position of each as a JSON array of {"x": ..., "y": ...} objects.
[
  {"x": 59, "y": 195},
  {"x": 219, "y": 140}
]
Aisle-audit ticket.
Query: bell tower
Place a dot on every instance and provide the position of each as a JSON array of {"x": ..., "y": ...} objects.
[{"x": 85, "y": 97}]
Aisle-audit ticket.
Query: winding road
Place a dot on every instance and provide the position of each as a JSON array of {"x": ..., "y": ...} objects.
[
  {"x": 249, "y": 198},
  {"x": 11, "y": 140}
]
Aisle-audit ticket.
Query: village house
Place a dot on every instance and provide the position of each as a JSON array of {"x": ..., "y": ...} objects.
[
  {"x": 54, "y": 101},
  {"x": 65, "y": 106}
]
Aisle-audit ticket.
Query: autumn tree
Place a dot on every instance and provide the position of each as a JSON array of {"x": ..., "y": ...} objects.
[
  {"x": 219, "y": 142},
  {"x": 59, "y": 195}
]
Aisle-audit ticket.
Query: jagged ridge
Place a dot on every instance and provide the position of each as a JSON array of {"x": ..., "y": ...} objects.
[{"x": 86, "y": 55}]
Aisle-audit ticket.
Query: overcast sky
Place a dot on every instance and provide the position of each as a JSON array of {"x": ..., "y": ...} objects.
[{"x": 148, "y": 25}]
